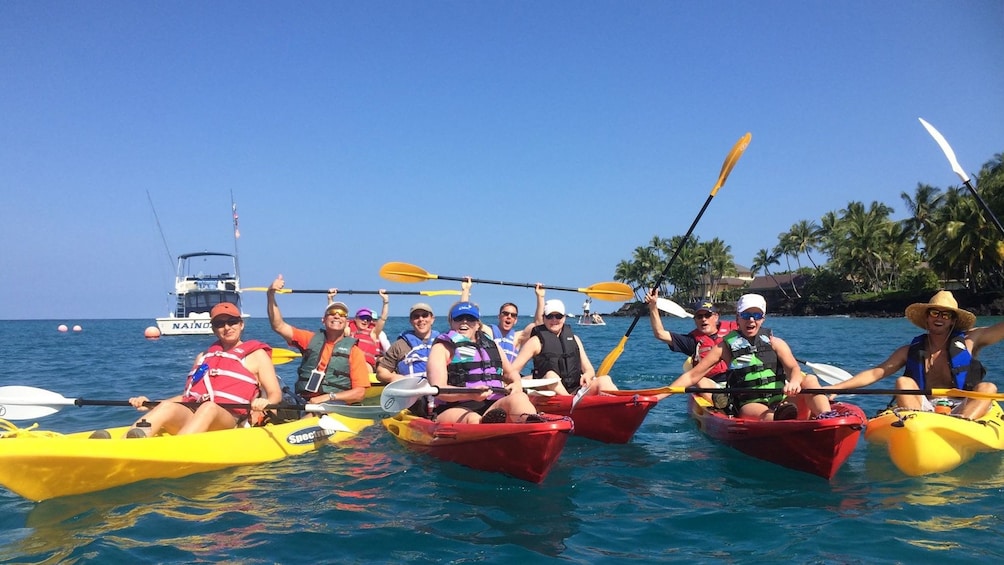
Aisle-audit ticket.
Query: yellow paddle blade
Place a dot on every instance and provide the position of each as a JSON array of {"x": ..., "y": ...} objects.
[
  {"x": 405, "y": 273},
  {"x": 611, "y": 358},
  {"x": 612, "y": 291},
  {"x": 281, "y": 356},
  {"x": 730, "y": 160}
]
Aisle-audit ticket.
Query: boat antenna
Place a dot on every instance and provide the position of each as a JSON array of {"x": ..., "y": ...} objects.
[
  {"x": 170, "y": 257},
  {"x": 237, "y": 235}
]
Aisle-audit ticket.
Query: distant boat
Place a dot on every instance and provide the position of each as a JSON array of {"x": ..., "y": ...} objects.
[
  {"x": 197, "y": 289},
  {"x": 202, "y": 281}
]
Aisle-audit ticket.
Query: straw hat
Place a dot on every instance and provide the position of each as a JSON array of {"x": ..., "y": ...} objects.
[{"x": 943, "y": 300}]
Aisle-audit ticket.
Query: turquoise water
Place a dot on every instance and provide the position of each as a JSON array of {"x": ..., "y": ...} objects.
[{"x": 670, "y": 495}]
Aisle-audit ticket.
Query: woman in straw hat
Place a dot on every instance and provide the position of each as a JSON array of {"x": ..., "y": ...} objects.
[{"x": 943, "y": 357}]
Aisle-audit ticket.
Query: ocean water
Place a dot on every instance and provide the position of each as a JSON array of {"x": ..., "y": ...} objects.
[{"x": 670, "y": 495}]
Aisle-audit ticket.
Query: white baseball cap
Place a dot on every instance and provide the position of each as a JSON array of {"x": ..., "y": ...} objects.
[
  {"x": 554, "y": 305},
  {"x": 748, "y": 301}
]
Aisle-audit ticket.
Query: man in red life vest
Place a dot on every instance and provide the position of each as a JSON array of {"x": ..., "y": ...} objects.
[{"x": 708, "y": 332}]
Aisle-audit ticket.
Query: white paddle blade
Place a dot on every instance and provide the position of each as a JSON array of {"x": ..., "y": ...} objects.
[
  {"x": 828, "y": 373},
  {"x": 578, "y": 396},
  {"x": 946, "y": 149},
  {"x": 27, "y": 402},
  {"x": 361, "y": 412},
  {"x": 402, "y": 393},
  {"x": 672, "y": 308},
  {"x": 329, "y": 424},
  {"x": 539, "y": 383},
  {"x": 535, "y": 392}
]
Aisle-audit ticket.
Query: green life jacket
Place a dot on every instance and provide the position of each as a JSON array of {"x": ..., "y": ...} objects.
[
  {"x": 754, "y": 366},
  {"x": 336, "y": 374}
]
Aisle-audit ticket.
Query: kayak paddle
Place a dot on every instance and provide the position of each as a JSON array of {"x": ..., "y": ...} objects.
[
  {"x": 27, "y": 403},
  {"x": 408, "y": 273},
  {"x": 730, "y": 162},
  {"x": 827, "y": 373},
  {"x": 947, "y": 150},
  {"x": 951, "y": 392},
  {"x": 448, "y": 292},
  {"x": 402, "y": 393},
  {"x": 281, "y": 356},
  {"x": 670, "y": 307}
]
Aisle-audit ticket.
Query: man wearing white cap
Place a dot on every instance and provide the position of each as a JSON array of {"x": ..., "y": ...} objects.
[
  {"x": 557, "y": 352},
  {"x": 763, "y": 363},
  {"x": 408, "y": 356},
  {"x": 943, "y": 357}
]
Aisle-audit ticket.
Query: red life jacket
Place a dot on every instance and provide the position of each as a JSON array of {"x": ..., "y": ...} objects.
[
  {"x": 365, "y": 342},
  {"x": 227, "y": 380},
  {"x": 706, "y": 343}
]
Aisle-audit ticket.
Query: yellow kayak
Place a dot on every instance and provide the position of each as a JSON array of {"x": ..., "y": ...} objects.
[
  {"x": 39, "y": 465},
  {"x": 923, "y": 443}
]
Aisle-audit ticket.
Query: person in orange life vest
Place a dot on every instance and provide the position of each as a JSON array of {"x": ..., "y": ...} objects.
[
  {"x": 236, "y": 372},
  {"x": 557, "y": 352},
  {"x": 323, "y": 356},
  {"x": 366, "y": 328},
  {"x": 943, "y": 357},
  {"x": 465, "y": 357},
  {"x": 709, "y": 329}
]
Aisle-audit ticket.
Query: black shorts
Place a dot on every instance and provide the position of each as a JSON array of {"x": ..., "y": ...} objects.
[{"x": 478, "y": 406}]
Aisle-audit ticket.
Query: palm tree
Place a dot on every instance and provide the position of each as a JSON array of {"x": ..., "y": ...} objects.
[
  {"x": 922, "y": 205},
  {"x": 804, "y": 237},
  {"x": 763, "y": 260}
]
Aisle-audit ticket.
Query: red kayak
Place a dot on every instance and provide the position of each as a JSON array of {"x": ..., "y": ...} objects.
[
  {"x": 818, "y": 447},
  {"x": 610, "y": 419},
  {"x": 525, "y": 451}
]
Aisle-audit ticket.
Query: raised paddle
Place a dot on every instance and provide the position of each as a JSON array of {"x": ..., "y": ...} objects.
[
  {"x": 730, "y": 161},
  {"x": 27, "y": 403},
  {"x": 408, "y": 273},
  {"x": 947, "y": 150},
  {"x": 447, "y": 292}
]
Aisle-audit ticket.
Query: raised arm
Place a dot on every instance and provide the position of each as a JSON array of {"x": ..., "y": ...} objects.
[
  {"x": 538, "y": 313},
  {"x": 279, "y": 325},
  {"x": 698, "y": 372},
  {"x": 378, "y": 327},
  {"x": 655, "y": 319},
  {"x": 982, "y": 337}
]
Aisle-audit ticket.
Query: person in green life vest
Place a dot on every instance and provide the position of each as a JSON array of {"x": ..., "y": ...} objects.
[
  {"x": 943, "y": 357},
  {"x": 333, "y": 367},
  {"x": 763, "y": 363}
]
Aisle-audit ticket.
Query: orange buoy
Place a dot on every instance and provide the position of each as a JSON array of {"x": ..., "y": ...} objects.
[
  {"x": 151, "y": 333},
  {"x": 77, "y": 328},
  {"x": 62, "y": 327}
]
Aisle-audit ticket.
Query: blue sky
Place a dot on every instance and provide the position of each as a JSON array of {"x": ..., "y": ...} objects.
[{"x": 519, "y": 141}]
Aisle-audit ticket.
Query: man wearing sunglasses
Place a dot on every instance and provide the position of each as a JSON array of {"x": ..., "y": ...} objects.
[
  {"x": 707, "y": 334},
  {"x": 367, "y": 328},
  {"x": 333, "y": 368},
  {"x": 557, "y": 352},
  {"x": 408, "y": 356},
  {"x": 505, "y": 333},
  {"x": 763, "y": 363},
  {"x": 942, "y": 357}
]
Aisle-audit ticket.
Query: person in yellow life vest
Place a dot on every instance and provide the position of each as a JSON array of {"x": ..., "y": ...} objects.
[
  {"x": 231, "y": 371},
  {"x": 333, "y": 367}
]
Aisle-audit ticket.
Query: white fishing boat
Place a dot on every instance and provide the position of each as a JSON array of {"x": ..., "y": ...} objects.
[{"x": 203, "y": 280}]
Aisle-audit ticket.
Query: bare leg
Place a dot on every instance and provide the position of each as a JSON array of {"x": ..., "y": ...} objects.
[
  {"x": 208, "y": 416},
  {"x": 907, "y": 401},
  {"x": 974, "y": 408}
]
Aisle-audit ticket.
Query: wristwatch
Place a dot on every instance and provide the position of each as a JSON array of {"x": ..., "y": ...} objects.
[{"x": 331, "y": 396}]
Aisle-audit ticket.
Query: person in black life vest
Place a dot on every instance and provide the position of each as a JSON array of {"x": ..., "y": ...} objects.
[
  {"x": 231, "y": 371},
  {"x": 707, "y": 334},
  {"x": 333, "y": 367},
  {"x": 943, "y": 357},
  {"x": 557, "y": 352},
  {"x": 763, "y": 363}
]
